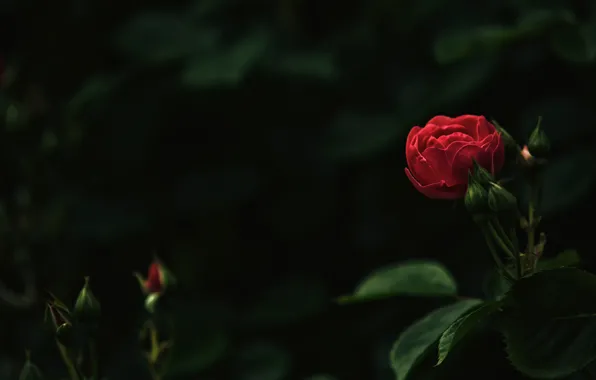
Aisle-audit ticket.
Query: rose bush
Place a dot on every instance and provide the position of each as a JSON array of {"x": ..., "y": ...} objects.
[{"x": 440, "y": 154}]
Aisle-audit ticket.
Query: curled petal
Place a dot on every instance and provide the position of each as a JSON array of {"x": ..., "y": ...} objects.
[
  {"x": 410, "y": 140},
  {"x": 439, "y": 161},
  {"x": 438, "y": 190},
  {"x": 455, "y": 138},
  {"x": 436, "y": 131},
  {"x": 422, "y": 169},
  {"x": 484, "y": 128},
  {"x": 462, "y": 160},
  {"x": 498, "y": 154},
  {"x": 441, "y": 120}
]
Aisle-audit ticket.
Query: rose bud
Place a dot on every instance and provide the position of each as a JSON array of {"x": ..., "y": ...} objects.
[
  {"x": 87, "y": 307},
  {"x": 30, "y": 371},
  {"x": 501, "y": 200},
  {"x": 476, "y": 198},
  {"x": 441, "y": 154},
  {"x": 538, "y": 143},
  {"x": 481, "y": 175},
  {"x": 158, "y": 278},
  {"x": 64, "y": 334},
  {"x": 508, "y": 140},
  {"x": 58, "y": 313}
]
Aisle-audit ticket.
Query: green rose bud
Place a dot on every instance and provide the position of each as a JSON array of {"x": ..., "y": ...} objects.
[
  {"x": 64, "y": 334},
  {"x": 501, "y": 200},
  {"x": 481, "y": 175},
  {"x": 87, "y": 307},
  {"x": 538, "y": 143},
  {"x": 151, "y": 302},
  {"x": 30, "y": 371},
  {"x": 507, "y": 139},
  {"x": 476, "y": 198}
]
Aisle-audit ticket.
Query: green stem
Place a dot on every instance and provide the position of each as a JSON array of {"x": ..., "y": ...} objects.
[
  {"x": 506, "y": 244},
  {"x": 532, "y": 221},
  {"x": 504, "y": 238},
  {"x": 71, "y": 368},
  {"x": 518, "y": 262},
  {"x": 501, "y": 240},
  {"x": 491, "y": 247},
  {"x": 94, "y": 361}
]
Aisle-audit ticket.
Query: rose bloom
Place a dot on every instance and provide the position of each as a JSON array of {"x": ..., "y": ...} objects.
[{"x": 440, "y": 154}]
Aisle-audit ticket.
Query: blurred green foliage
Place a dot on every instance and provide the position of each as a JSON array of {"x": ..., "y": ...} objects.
[{"x": 258, "y": 149}]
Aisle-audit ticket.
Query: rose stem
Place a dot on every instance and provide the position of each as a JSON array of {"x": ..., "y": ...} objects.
[
  {"x": 507, "y": 245},
  {"x": 532, "y": 219},
  {"x": 496, "y": 258},
  {"x": 72, "y": 370}
]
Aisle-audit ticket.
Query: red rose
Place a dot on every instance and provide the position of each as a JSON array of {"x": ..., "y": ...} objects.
[{"x": 440, "y": 155}]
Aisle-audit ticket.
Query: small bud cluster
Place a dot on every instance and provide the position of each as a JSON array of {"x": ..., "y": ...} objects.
[{"x": 484, "y": 196}]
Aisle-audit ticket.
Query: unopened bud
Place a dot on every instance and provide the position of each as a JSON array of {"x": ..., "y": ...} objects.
[
  {"x": 538, "y": 143},
  {"x": 476, "y": 198},
  {"x": 159, "y": 278},
  {"x": 481, "y": 175},
  {"x": 58, "y": 313},
  {"x": 151, "y": 302},
  {"x": 64, "y": 334},
  {"x": 87, "y": 307},
  {"x": 501, "y": 200},
  {"x": 507, "y": 139},
  {"x": 30, "y": 371}
]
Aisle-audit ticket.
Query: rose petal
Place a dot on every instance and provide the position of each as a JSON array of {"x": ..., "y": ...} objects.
[
  {"x": 436, "y": 131},
  {"x": 438, "y": 160},
  {"x": 422, "y": 169},
  {"x": 462, "y": 160},
  {"x": 433, "y": 142},
  {"x": 441, "y": 120},
  {"x": 413, "y": 132},
  {"x": 484, "y": 128},
  {"x": 476, "y": 126},
  {"x": 438, "y": 190},
  {"x": 498, "y": 154},
  {"x": 455, "y": 137}
]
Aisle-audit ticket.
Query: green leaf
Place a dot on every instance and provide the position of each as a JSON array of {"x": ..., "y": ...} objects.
[
  {"x": 227, "y": 66},
  {"x": 410, "y": 278},
  {"x": 306, "y": 64},
  {"x": 568, "y": 180},
  {"x": 538, "y": 20},
  {"x": 546, "y": 293},
  {"x": 94, "y": 89},
  {"x": 576, "y": 44},
  {"x": 263, "y": 361},
  {"x": 462, "y": 326},
  {"x": 199, "y": 339},
  {"x": 456, "y": 45},
  {"x": 154, "y": 37},
  {"x": 551, "y": 323},
  {"x": 355, "y": 136},
  {"x": 495, "y": 286},
  {"x": 550, "y": 348},
  {"x": 287, "y": 302},
  {"x": 459, "y": 81},
  {"x": 567, "y": 258},
  {"x": 417, "y": 340}
]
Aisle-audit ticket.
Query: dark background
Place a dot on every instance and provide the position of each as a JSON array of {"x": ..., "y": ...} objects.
[{"x": 258, "y": 149}]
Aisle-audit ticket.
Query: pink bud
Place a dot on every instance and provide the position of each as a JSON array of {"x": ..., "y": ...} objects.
[{"x": 525, "y": 152}]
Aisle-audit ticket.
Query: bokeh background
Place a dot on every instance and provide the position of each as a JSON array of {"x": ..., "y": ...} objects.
[{"x": 258, "y": 149}]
